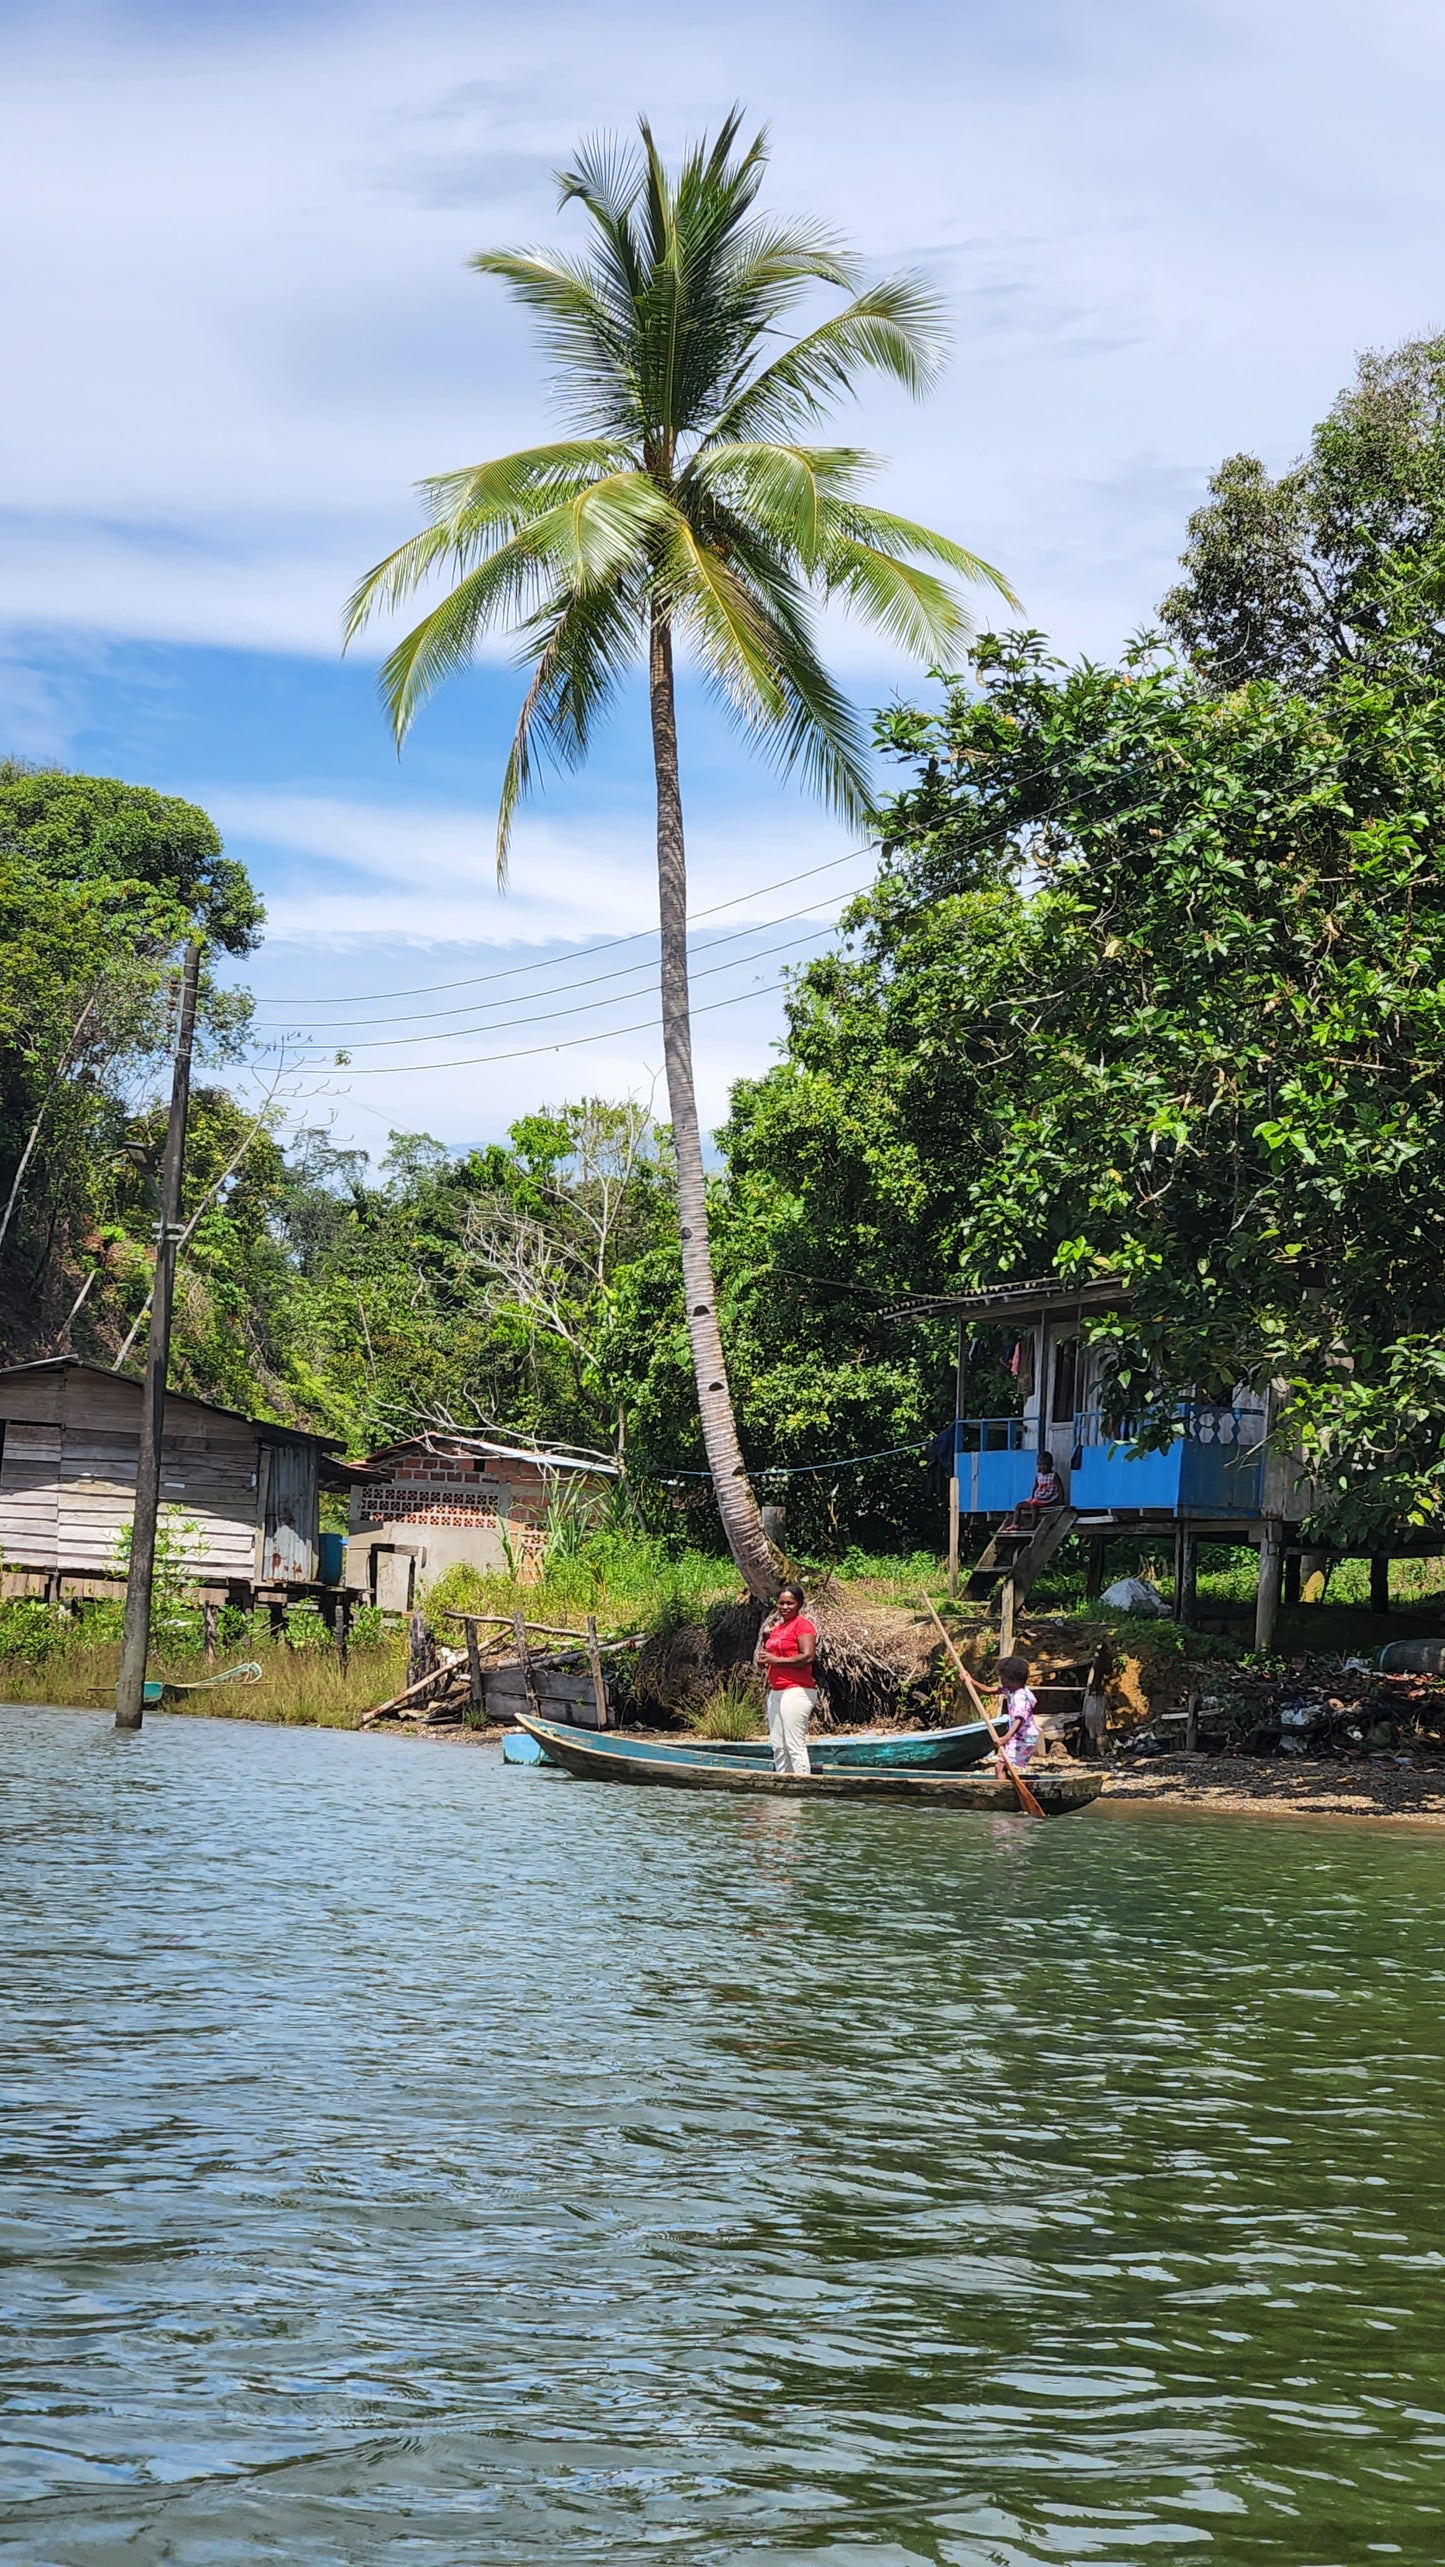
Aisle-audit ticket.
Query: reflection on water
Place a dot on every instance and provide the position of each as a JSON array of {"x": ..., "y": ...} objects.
[{"x": 404, "y": 2158}]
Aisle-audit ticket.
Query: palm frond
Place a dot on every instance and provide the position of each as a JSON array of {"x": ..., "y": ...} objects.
[
  {"x": 732, "y": 633},
  {"x": 581, "y": 646},
  {"x": 895, "y": 328},
  {"x": 690, "y": 482},
  {"x": 586, "y": 328},
  {"x": 788, "y": 492},
  {"x": 913, "y": 606},
  {"x": 899, "y": 536},
  {"x": 799, "y": 719},
  {"x": 474, "y": 510},
  {"x": 398, "y": 575},
  {"x": 515, "y": 486},
  {"x": 587, "y": 540}
]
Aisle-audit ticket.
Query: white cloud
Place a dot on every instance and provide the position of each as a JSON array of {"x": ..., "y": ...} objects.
[
  {"x": 424, "y": 875},
  {"x": 233, "y": 252}
]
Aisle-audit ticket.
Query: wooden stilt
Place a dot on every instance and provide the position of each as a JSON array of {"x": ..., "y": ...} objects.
[
  {"x": 1007, "y": 1616},
  {"x": 1098, "y": 1558},
  {"x": 208, "y": 1633},
  {"x": 599, "y": 1683},
  {"x": 1186, "y": 1591},
  {"x": 1379, "y": 1582},
  {"x": 1271, "y": 1561},
  {"x": 475, "y": 1689},
  {"x": 959, "y": 1366},
  {"x": 519, "y": 1634}
]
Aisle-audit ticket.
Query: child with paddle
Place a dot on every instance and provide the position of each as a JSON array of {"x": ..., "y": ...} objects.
[{"x": 1018, "y": 1705}]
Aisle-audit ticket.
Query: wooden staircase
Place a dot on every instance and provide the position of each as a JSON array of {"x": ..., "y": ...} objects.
[{"x": 1017, "y": 1553}]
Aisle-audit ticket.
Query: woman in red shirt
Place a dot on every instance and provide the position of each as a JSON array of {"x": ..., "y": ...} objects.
[{"x": 786, "y": 1647}]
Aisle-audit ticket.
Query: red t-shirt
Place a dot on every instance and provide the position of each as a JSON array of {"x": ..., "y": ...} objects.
[{"x": 783, "y": 1643}]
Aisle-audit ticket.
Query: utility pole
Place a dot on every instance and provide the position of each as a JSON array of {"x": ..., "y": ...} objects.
[{"x": 136, "y": 1630}]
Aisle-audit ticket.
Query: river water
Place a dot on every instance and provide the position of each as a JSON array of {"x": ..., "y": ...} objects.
[{"x": 408, "y": 2158}]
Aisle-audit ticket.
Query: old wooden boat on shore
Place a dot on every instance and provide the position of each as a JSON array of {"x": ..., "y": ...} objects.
[{"x": 1059, "y": 1789}]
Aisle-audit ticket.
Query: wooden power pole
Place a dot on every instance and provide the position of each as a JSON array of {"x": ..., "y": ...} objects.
[{"x": 136, "y": 1630}]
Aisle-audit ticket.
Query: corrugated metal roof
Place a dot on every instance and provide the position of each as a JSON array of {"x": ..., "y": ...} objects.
[
  {"x": 482, "y": 1446},
  {"x": 264, "y": 1426},
  {"x": 1018, "y": 1300}
]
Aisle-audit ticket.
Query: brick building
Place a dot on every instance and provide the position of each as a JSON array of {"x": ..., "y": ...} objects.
[{"x": 421, "y": 1505}]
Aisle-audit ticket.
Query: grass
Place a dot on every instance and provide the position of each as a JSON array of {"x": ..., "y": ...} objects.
[
  {"x": 630, "y": 1581},
  {"x": 731, "y": 1712},
  {"x": 47, "y": 1655},
  {"x": 626, "y": 1581}
]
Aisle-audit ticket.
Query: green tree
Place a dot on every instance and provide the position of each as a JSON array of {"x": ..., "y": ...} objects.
[
  {"x": 681, "y": 507},
  {"x": 1340, "y": 561},
  {"x": 94, "y": 829},
  {"x": 1154, "y": 984}
]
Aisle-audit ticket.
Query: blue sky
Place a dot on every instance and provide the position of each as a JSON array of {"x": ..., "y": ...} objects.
[{"x": 240, "y": 327}]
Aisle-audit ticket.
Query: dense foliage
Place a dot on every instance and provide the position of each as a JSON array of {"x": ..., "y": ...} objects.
[
  {"x": 98, "y": 880},
  {"x": 1338, "y": 562},
  {"x": 1152, "y": 983}
]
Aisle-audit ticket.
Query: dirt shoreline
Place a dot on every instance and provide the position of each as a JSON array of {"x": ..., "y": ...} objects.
[{"x": 1235, "y": 1786}]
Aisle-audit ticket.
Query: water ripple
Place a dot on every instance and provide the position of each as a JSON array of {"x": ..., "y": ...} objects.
[{"x": 404, "y": 2158}]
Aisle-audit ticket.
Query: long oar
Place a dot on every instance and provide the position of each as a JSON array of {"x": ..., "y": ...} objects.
[{"x": 1022, "y": 1793}]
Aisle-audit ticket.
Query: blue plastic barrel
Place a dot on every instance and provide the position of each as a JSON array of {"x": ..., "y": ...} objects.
[{"x": 330, "y": 1558}]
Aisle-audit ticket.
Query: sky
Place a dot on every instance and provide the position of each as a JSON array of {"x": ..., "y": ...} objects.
[{"x": 233, "y": 244}]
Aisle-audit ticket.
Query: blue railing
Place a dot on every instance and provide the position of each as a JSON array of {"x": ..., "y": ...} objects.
[
  {"x": 995, "y": 1466},
  {"x": 1214, "y": 1466}
]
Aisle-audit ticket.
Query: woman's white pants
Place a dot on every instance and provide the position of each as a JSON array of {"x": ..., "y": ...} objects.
[{"x": 790, "y": 1708}]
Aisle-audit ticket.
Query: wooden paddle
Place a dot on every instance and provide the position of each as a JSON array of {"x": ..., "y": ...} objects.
[{"x": 1022, "y": 1793}]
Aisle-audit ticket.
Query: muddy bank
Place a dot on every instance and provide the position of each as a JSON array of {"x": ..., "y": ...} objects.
[{"x": 1304, "y": 1788}]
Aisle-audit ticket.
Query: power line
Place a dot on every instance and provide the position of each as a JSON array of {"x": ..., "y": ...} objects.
[
  {"x": 388, "y": 1043},
  {"x": 428, "y": 989},
  {"x": 588, "y": 980},
  {"x": 784, "y": 1470},
  {"x": 570, "y": 1042}
]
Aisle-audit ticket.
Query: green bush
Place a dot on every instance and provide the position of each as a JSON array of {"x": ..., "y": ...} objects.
[{"x": 731, "y": 1712}]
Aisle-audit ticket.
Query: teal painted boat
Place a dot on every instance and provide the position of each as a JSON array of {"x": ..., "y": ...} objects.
[
  {"x": 910, "y": 1751},
  {"x": 601, "y": 1756},
  {"x": 160, "y": 1689}
]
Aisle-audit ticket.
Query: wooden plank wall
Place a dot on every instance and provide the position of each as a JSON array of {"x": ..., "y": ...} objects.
[
  {"x": 29, "y": 1494},
  {"x": 67, "y": 1485}
]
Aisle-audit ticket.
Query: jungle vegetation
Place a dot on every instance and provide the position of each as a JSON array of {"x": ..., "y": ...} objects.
[{"x": 1151, "y": 979}]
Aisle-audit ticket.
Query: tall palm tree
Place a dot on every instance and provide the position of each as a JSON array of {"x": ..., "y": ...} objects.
[{"x": 681, "y": 506}]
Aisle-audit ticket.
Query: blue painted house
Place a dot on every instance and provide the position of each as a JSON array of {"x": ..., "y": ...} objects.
[{"x": 1220, "y": 1472}]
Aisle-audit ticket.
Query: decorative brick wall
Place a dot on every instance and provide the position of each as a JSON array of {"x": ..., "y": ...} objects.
[{"x": 445, "y": 1489}]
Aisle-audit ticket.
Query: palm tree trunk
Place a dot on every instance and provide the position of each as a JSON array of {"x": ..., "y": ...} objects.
[{"x": 742, "y": 1524}]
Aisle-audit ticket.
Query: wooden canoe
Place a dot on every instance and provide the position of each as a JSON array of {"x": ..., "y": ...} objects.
[
  {"x": 633, "y": 1760},
  {"x": 912, "y": 1751}
]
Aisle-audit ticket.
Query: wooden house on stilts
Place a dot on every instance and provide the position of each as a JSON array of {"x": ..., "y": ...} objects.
[
  {"x": 1224, "y": 1475},
  {"x": 244, "y": 1493}
]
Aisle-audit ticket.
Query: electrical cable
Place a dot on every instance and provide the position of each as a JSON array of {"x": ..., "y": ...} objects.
[
  {"x": 305, "y": 1045},
  {"x": 784, "y": 1470},
  {"x": 570, "y": 1042},
  {"x": 429, "y": 989}
]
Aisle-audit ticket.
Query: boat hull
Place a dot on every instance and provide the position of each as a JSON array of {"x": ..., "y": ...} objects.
[
  {"x": 912, "y": 1751},
  {"x": 1059, "y": 1790}
]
